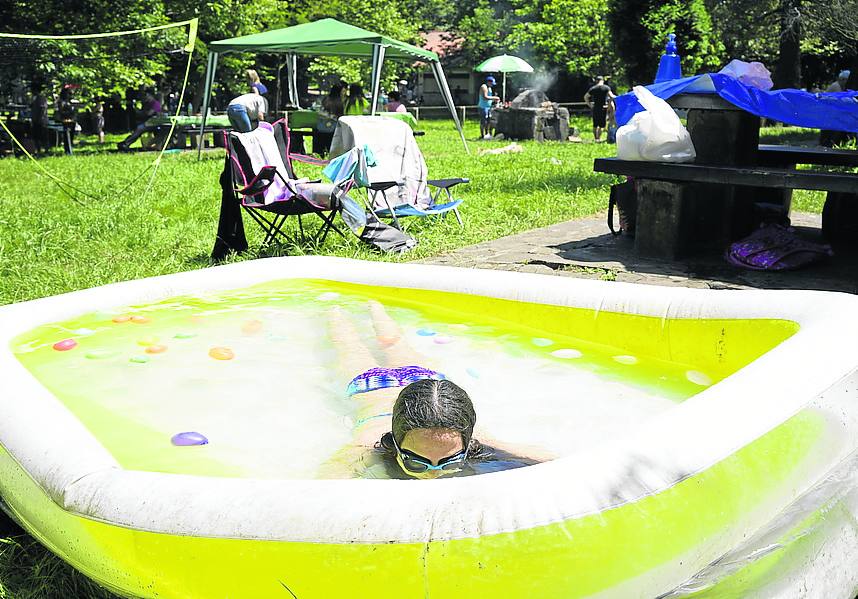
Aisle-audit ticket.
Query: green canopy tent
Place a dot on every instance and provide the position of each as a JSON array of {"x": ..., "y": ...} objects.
[{"x": 329, "y": 37}]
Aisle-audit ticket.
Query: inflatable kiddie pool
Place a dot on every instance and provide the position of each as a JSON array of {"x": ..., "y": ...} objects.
[{"x": 705, "y": 439}]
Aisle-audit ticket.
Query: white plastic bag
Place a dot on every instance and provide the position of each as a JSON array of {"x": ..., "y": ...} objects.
[
  {"x": 655, "y": 134},
  {"x": 753, "y": 74}
]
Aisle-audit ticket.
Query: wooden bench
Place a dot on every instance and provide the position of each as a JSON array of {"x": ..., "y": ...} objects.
[
  {"x": 682, "y": 208},
  {"x": 772, "y": 155}
]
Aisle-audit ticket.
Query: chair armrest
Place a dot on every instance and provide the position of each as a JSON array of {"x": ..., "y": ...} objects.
[
  {"x": 384, "y": 185},
  {"x": 447, "y": 183},
  {"x": 260, "y": 182}
]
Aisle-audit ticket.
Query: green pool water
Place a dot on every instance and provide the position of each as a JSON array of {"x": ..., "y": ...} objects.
[{"x": 254, "y": 370}]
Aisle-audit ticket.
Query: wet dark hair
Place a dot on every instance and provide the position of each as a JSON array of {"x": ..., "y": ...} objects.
[
  {"x": 429, "y": 403},
  {"x": 394, "y": 95},
  {"x": 336, "y": 91}
]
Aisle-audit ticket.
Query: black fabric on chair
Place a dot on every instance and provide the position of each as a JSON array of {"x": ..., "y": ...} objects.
[
  {"x": 230, "y": 227},
  {"x": 238, "y": 191}
]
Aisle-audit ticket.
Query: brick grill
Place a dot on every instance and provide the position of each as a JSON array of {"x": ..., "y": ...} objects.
[{"x": 531, "y": 115}]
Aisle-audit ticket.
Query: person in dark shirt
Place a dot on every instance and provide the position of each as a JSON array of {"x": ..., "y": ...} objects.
[
  {"x": 67, "y": 114},
  {"x": 409, "y": 420},
  {"x": 596, "y": 98},
  {"x": 39, "y": 121},
  {"x": 333, "y": 102},
  {"x": 151, "y": 108}
]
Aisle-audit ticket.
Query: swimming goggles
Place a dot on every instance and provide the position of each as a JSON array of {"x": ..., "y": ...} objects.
[{"x": 417, "y": 464}]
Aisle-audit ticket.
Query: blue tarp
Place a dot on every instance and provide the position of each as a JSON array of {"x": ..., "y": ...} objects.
[{"x": 836, "y": 111}]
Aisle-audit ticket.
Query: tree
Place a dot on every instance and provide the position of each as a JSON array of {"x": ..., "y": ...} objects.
[
  {"x": 485, "y": 30},
  {"x": 640, "y": 29},
  {"x": 571, "y": 34}
]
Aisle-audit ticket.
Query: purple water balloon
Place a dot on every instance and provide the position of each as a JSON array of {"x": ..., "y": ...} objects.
[{"x": 189, "y": 438}]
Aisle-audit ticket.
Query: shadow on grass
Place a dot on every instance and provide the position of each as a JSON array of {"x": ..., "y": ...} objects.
[{"x": 29, "y": 571}]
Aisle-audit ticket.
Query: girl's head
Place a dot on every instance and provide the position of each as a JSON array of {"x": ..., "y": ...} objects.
[
  {"x": 336, "y": 91},
  {"x": 394, "y": 96},
  {"x": 252, "y": 76},
  {"x": 355, "y": 90},
  {"x": 433, "y": 422}
]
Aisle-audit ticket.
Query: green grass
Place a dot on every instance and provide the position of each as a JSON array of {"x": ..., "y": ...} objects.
[
  {"x": 50, "y": 244},
  {"x": 802, "y": 199},
  {"x": 29, "y": 571}
]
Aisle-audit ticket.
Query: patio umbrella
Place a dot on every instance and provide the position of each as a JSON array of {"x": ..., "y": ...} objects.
[{"x": 504, "y": 64}]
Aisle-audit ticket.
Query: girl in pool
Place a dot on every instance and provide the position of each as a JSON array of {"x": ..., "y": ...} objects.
[{"x": 409, "y": 420}]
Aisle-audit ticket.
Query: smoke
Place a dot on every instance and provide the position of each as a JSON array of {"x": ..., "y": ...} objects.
[{"x": 543, "y": 80}]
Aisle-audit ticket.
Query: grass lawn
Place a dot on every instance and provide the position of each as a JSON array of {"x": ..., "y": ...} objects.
[{"x": 50, "y": 244}]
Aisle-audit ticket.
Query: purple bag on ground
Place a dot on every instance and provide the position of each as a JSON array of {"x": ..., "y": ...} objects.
[{"x": 775, "y": 247}]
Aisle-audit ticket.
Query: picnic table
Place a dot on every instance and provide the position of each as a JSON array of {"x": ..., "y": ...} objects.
[
  {"x": 320, "y": 128},
  {"x": 705, "y": 205},
  {"x": 187, "y": 129}
]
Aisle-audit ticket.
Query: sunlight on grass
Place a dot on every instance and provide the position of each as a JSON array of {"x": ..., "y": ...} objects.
[{"x": 49, "y": 244}]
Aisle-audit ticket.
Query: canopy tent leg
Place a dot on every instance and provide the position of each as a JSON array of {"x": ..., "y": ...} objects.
[
  {"x": 377, "y": 62},
  {"x": 211, "y": 65},
  {"x": 503, "y": 96},
  {"x": 279, "y": 85},
  {"x": 441, "y": 80},
  {"x": 292, "y": 73}
]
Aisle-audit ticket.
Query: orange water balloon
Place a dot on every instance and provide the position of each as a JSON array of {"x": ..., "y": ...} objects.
[
  {"x": 221, "y": 353},
  {"x": 137, "y": 319},
  {"x": 123, "y": 318},
  {"x": 251, "y": 327},
  {"x": 156, "y": 349}
]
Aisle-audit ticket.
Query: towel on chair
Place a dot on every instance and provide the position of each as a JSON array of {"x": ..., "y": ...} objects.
[{"x": 262, "y": 150}]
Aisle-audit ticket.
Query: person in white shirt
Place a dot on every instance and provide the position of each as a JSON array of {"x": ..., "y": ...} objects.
[{"x": 245, "y": 110}]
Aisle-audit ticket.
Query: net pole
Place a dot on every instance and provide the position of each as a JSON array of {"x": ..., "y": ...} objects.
[{"x": 211, "y": 65}]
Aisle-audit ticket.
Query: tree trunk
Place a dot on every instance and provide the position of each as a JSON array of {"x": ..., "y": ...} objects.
[{"x": 788, "y": 68}]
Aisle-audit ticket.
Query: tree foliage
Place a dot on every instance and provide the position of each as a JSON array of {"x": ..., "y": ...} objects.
[
  {"x": 571, "y": 34},
  {"x": 582, "y": 37},
  {"x": 640, "y": 29}
]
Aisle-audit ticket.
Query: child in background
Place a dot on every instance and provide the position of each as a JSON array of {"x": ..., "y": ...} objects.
[
  {"x": 611, "y": 118},
  {"x": 99, "y": 122},
  {"x": 256, "y": 85}
]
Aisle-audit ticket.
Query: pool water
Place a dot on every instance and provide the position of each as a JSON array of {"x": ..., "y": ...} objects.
[{"x": 253, "y": 370}]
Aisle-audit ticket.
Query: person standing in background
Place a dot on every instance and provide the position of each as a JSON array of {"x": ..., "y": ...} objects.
[
  {"x": 485, "y": 101},
  {"x": 356, "y": 104},
  {"x": 256, "y": 85},
  {"x": 611, "y": 131},
  {"x": 596, "y": 98},
  {"x": 333, "y": 102},
  {"x": 98, "y": 115},
  {"x": 39, "y": 121},
  {"x": 67, "y": 113}
]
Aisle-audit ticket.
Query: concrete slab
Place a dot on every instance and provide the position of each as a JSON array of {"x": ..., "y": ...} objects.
[{"x": 585, "y": 248}]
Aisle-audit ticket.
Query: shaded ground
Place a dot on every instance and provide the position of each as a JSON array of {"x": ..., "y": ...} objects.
[{"x": 585, "y": 248}]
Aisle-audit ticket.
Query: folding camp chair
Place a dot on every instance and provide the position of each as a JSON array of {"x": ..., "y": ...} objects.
[
  {"x": 395, "y": 174},
  {"x": 266, "y": 187}
]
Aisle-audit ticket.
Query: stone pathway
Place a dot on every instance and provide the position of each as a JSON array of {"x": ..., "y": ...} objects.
[{"x": 585, "y": 248}]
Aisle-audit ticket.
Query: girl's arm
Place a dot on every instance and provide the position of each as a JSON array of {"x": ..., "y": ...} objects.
[{"x": 533, "y": 452}]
